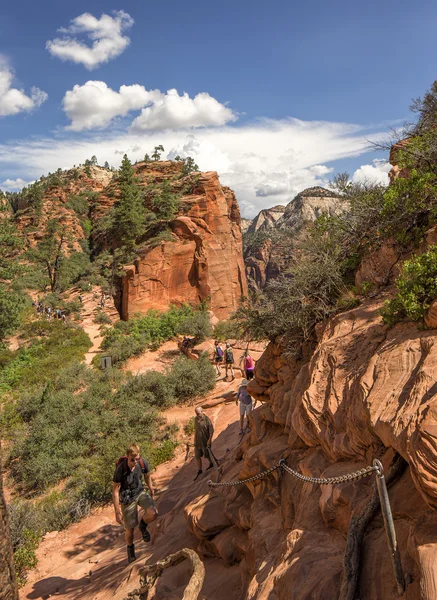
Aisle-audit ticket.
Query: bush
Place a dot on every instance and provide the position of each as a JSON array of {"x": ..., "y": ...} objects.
[
  {"x": 192, "y": 378},
  {"x": 228, "y": 330},
  {"x": 190, "y": 426},
  {"x": 102, "y": 318},
  {"x": 163, "y": 452},
  {"x": 417, "y": 289},
  {"x": 197, "y": 325},
  {"x": 126, "y": 339},
  {"x": 51, "y": 346}
]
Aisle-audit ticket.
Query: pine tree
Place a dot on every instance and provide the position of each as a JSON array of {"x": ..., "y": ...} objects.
[{"x": 129, "y": 212}]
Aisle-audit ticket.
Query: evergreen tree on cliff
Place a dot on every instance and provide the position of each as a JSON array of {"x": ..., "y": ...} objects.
[
  {"x": 129, "y": 212},
  {"x": 8, "y": 585}
]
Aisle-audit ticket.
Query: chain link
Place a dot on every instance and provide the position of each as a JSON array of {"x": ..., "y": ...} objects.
[
  {"x": 241, "y": 481},
  {"x": 365, "y": 472}
]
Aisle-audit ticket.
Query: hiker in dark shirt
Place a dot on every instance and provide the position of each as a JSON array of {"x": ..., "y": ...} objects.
[
  {"x": 203, "y": 432},
  {"x": 128, "y": 494}
]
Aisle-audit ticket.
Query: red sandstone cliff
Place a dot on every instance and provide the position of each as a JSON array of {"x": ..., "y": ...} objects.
[{"x": 204, "y": 260}]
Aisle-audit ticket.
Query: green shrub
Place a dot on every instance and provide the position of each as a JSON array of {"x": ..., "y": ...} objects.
[
  {"x": 417, "y": 289},
  {"x": 192, "y": 378},
  {"x": 78, "y": 203},
  {"x": 162, "y": 452},
  {"x": 102, "y": 318},
  {"x": 25, "y": 556},
  {"x": 228, "y": 330},
  {"x": 190, "y": 426},
  {"x": 51, "y": 346},
  {"x": 126, "y": 339},
  {"x": 197, "y": 325}
]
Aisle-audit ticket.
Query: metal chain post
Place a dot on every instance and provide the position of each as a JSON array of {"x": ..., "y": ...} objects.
[{"x": 389, "y": 527}]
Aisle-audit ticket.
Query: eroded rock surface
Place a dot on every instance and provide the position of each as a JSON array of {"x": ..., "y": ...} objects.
[{"x": 204, "y": 260}]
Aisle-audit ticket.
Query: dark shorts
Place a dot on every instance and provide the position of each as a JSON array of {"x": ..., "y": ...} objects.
[
  {"x": 229, "y": 362},
  {"x": 219, "y": 359},
  {"x": 249, "y": 374},
  {"x": 199, "y": 452}
]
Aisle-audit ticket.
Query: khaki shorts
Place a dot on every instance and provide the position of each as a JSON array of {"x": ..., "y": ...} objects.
[
  {"x": 130, "y": 511},
  {"x": 245, "y": 409}
]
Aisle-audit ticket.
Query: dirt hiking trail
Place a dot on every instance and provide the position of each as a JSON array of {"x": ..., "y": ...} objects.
[{"x": 88, "y": 560}]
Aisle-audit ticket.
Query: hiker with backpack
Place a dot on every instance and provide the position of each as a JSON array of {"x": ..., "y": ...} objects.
[
  {"x": 128, "y": 494},
  {"x": 246, "y": 406},
  {"x": 249, "y": 366},
  {"x": 203, "y": 432},
  {"x": 229, "y": 361},
  {"x": 218, "y": 357}
]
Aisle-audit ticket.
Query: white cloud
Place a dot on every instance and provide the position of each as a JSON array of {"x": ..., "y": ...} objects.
[
  {"x": 14, "y": 184},
  {"x": 377, "y": 172},
  {"x": 281, "y": 157},
  {"x": 13, "y": 100},
  {"x": 106, "y": 34},
  {"x": 94, "y": 104},
  {"x": 172, "y": 111}
]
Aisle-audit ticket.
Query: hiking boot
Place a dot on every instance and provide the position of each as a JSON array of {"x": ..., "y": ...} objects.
[
  {"x": 144, "y": 531},
  {"x": 241, "y": 432},
  {"x": 198, "y": 473},
  {"x": 131, "y": 554}
]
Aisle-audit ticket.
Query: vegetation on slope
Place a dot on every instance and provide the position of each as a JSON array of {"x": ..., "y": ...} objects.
[{"x": 319, "y": 278}]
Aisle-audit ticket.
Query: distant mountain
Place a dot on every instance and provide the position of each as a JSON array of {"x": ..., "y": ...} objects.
[{"x": 264, "y": 239}]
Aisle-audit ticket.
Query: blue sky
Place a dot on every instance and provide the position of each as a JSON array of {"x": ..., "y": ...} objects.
[{"x": 279, "y": 96}]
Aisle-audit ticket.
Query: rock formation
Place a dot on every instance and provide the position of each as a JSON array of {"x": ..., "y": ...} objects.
[
  {"x": 204, "y": 260},
  {"x": 264, "y": 262},
  {"x": 266, "y": 219},
  {"x": 364, "y": 392}
]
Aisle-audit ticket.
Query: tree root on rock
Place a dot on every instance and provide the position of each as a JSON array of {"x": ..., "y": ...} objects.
[
  {"x": 357, "y": 529},
  {"x": 150, "y": 573}
]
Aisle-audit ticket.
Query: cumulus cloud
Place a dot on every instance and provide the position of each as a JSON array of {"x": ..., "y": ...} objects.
[
  {"x": 14, "y": 184},
  {"x": 94, "y": 104},
  {"x": 266, "y": 162},
  {"x": 172, "y": 111},
  {"x": 13, "y": 100},
  {"x": 106, "y": 34},
  {"x": 377, "y": 172}
]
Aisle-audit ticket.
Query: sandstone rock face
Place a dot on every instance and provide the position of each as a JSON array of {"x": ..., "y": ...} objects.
[
  {"x": 204, "y": 260},
  {"x": 308, "y": 206},
  {"x": 264, "y": 263},
  {"x": 363, "y": 392},
  {"x": 266, "y": 219}
]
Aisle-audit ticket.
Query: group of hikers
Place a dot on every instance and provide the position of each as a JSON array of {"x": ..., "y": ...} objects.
[
  {"x": 226, "y": 356},
  {"x": 48, "y": 312},
  {"x": 128, "y": 493}
]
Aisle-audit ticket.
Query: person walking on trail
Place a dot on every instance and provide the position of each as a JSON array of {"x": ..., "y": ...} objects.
[
  {"x": 218, "y": 357},
  {"x": 246, "y": 406},
  {"x": 249, "y": 366},
  {"x": 229, "y": 361},
  {"x": 203, "y": 432},
  {"x": 128, "y": 494}
]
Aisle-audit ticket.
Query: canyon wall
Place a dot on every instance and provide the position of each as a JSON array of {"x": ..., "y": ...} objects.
[
  {"x": 203, "y": 261},
  {"x": 362, "y": 391}
]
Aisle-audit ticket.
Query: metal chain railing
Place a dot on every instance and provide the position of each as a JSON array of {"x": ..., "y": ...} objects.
[
  {"x": 241, "y": 481},
  {"x": 365, "y": 472}
]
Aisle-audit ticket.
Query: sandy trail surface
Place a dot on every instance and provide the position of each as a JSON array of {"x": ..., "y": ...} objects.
[{"x": 88, "y": 559}]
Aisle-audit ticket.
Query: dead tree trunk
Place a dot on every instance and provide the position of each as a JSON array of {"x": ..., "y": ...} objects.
[
  {"x": 357, "y": 529},
  {"x": 8, "y": 584},
  {"x": 150, "y": 573}
]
